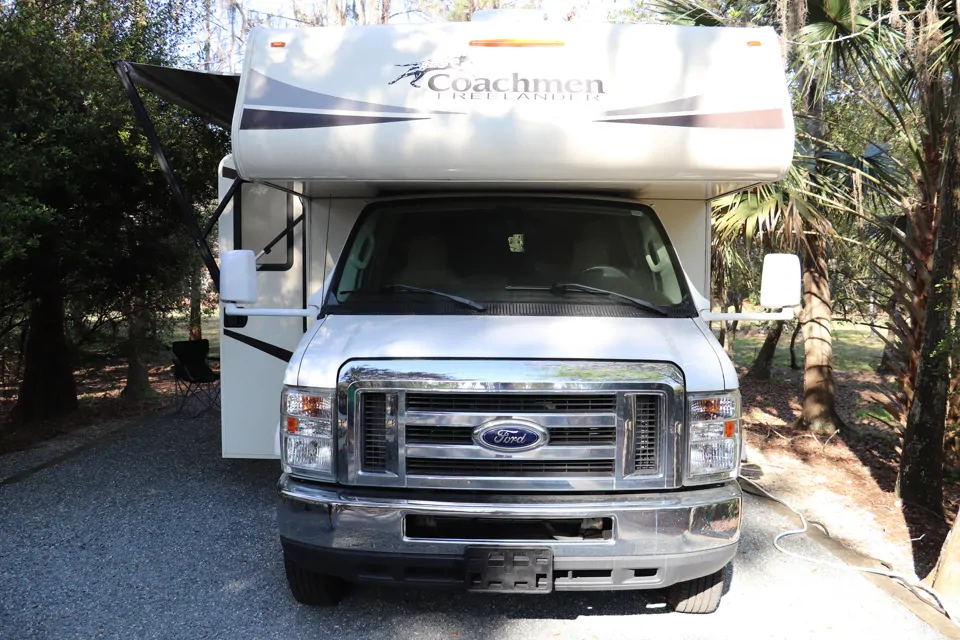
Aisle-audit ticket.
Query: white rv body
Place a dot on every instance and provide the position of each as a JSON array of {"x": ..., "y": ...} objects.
[
  {"x": 464, "y": 276},
  {"x": 639, "y": 111}
]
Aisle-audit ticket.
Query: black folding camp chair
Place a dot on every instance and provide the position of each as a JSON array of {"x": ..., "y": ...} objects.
[{"x": 194, "y": 377}]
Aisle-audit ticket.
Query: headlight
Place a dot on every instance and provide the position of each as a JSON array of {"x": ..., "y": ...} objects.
[
  {"x": 308, "y": 442},
  {"x": 713, "y": 437}
]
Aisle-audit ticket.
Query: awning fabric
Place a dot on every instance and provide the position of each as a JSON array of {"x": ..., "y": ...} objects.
[{"x": 209, "y": 95}]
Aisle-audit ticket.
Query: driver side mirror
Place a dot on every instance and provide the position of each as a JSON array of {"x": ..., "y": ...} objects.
[
  {"x": 780, "y": 284},
  {"x": 238, "y": 277}
]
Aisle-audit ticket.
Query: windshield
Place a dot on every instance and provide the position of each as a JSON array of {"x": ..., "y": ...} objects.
[{"x": 510, "y": 256}]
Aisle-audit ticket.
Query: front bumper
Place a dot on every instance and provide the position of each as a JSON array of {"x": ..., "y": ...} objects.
[{"x": 657, "y": 539}]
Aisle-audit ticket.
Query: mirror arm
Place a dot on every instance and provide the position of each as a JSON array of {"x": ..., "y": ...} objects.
[
  {"x": 786, "y": 313},
  {"x": 231, "y": 309}
]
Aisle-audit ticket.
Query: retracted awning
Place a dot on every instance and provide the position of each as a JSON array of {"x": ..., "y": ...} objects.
[{"x": 209, "y": 95}]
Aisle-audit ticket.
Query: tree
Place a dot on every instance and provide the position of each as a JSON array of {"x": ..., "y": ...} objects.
[
  {"x": 760, "y": 370},
  {"x": 89, "y": 216},
  {"x": 911, "y": 58}
]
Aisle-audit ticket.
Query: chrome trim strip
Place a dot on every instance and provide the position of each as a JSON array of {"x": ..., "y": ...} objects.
[
  {"x": 512, "y": 483},
  {"x": 473, "y": 452},
  {"x": 505, "y": 377},
  {"x": 579, "y": 506},
  {"x": 465, "y": 419}
]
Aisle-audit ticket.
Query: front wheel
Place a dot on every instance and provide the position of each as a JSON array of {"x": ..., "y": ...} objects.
[
  {"x": 700, "y": 595},
  {"x": 310, "y": 587}
]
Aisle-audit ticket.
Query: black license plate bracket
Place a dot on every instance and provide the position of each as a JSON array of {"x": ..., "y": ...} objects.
[{"x": 509, "y": 569}]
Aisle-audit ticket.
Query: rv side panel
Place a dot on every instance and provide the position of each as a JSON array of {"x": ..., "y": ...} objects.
[{"x": 254, "y": 351}]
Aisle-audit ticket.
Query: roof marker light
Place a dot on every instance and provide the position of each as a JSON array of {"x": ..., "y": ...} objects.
[
  {"x": 278, "y": 44},
  {"x": 753, "y": 43},
  {"x": 509, "y": 42}
]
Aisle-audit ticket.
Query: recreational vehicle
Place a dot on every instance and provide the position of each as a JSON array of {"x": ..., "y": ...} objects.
[{"x": 464, "y": 271}]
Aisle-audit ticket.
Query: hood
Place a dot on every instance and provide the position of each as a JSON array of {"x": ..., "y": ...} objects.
[{"x": 682, "y": 341}]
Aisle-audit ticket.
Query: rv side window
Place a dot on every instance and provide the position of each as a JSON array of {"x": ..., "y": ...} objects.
[
  {"x": 487, "y": 249},
  {"x": 264, "y": 212}
]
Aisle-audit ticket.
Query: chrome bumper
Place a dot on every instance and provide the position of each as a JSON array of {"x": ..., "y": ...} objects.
[{"x": 658, "y": 538}]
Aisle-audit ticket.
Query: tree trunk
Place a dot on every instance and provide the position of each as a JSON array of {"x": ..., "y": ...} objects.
[
  {"x": 921, "y": 461},
  {"x": 718, "y": 275},
  {"x": 951, "y": 444},
  {"x": 793, "y": 346},
  {"x": 196, "y": 330},
  {"x": 48, "y": 388},
  {"x": 22, "y": 348},
  {"x": 764, "y": 360},
  {"x": 731, "y": 337},
  {"x": 887, "y": 358},
  {"x": 819, "y": 390},
  {"x": 945, "y": 577},
  {"x": 138, "y": 379}
]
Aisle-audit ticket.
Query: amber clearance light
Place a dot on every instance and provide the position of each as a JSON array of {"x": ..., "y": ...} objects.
[{"x": 508, "y": 42}]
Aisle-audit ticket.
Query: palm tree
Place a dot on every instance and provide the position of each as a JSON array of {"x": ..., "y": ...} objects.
[
  {"x": 789, "y": 208},
  {"x": 911, "y": 56},
  {"x": 796, "y": 215},
  {"x": 902, "y": 58}
]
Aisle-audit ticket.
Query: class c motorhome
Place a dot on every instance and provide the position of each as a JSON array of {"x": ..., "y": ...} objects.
[{"x": 463, "y": 277}]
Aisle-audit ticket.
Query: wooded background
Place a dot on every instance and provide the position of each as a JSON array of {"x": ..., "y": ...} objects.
[{"x": 95, "y": 266}]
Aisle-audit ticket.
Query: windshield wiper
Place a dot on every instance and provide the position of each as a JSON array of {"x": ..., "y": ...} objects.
[
  {"x": 476, "y": 306},
  {"x": 563, "y": 287}
]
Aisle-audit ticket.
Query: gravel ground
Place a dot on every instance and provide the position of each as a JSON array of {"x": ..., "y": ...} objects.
[{"x": 150, "y": 534}]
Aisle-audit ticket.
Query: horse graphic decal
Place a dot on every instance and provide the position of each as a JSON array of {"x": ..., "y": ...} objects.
[{"x": 416, "y": 70}]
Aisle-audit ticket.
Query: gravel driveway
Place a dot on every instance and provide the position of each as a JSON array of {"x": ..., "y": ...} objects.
[{"x": 150, "y": 534}]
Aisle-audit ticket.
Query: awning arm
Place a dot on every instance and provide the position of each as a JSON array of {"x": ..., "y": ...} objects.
[
  {"x": 223, "y": 205},
  {"x": 186, "y": 209},
  {"x": 280, "y": 236}
]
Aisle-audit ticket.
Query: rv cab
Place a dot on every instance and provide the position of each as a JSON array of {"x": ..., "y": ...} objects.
[{"x": 464, "y": 282}]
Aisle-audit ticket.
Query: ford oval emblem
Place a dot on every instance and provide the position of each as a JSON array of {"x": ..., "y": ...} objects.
[{"x": 510, "y": 435}]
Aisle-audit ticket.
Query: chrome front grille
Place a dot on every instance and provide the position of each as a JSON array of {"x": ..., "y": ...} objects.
[
  {"x": 414, "y": 426},
  {"x": 558, "y": 435}
]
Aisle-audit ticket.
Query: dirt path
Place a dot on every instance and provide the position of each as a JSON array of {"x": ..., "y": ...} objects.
[{"x": 846, "y": 482}]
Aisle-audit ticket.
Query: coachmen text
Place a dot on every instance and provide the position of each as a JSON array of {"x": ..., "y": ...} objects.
[{"x": 514, "y": 88}]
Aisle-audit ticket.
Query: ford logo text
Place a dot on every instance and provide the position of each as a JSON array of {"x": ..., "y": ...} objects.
[{"x": 510, "y": 435}]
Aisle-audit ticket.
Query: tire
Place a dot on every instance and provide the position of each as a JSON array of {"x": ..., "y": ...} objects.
[
  {"x": 312, "y": 588},
  {"x": 700, "y": 595}
]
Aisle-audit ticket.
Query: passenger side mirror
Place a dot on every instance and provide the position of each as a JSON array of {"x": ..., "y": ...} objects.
[
  {"x": 780, "y": 285},
  {"x": 238, "y": 277}
]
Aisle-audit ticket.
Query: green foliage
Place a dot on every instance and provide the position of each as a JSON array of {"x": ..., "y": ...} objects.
[{"x": 84, "y": 202}]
